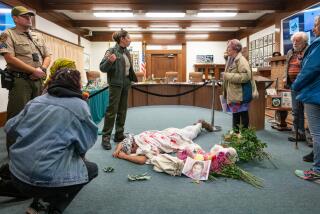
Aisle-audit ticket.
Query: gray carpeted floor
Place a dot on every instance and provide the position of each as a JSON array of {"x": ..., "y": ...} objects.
[{"x": 112, "y": 193}]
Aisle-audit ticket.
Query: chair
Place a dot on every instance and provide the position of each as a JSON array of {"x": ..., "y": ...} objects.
[
  {"x": 171, "y": 76},
  {"x": 195, "y": 76},
  {"x": 140, "y": 76}
]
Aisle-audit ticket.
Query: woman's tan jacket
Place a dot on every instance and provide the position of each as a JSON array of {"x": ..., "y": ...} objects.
[{"x": 235, "y": 74}]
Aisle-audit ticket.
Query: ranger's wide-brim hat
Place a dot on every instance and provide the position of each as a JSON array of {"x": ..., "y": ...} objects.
[{"x": 20, "y": 10}]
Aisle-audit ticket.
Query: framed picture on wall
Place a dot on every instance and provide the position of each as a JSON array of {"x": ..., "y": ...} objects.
[
  {"x": 270, "y": 51},
  {"x": 261, "y": 52},
  {"x": 273, "y": 38},
  {"x": 270, "y": 39},
  {"x": 265, "y": 40},
  {"x": 260, "y": 42},
  {"x": 265, "y": 51}
]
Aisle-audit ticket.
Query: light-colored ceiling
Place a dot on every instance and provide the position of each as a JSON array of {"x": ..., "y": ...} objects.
[{"x": 77, "y": 15}]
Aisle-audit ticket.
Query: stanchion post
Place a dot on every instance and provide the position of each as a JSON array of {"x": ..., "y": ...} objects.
[{"x": 215, "y": 128}]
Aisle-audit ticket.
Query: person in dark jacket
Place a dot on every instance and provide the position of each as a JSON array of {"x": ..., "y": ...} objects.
[
  {"x": 307, "y": 85},
  {"x": 118, "y": 66},
  {"x": 53, "y": 133}
]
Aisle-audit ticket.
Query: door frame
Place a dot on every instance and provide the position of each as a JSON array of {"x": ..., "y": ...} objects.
[{"x": 181, "y": 61}]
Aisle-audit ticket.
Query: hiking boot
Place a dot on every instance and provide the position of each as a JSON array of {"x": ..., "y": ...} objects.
[
  {"x": 308, "y": 157},
  {"x": 309, "y": 175},
  {"x": 119, "y": 138},
  {"x": 206, "y": 125},
  {"x": 301, "y": 137},
  {"x": 106, "y": 142}
]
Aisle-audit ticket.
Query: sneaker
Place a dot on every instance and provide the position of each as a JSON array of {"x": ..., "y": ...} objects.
[
  {"x": 309, "y": 175},
  {"x": 301, "y": 137},
  {"x": 106, "y": 143},
  {"x": 308, "y": 157},
  {"x": 118, "y": 138},
  {"x": 206, "y": 125},
  {"x": 37, "y": 207}
]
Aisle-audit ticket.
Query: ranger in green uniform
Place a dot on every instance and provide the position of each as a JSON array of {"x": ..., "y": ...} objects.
[
  {"x": 118, "y": 66},
  {"x": 27, "y": 59}
]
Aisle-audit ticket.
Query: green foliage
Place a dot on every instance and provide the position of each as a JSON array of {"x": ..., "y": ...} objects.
[
  {"x": 247, "y": 145},
  {"x": 235, "y": 172}
]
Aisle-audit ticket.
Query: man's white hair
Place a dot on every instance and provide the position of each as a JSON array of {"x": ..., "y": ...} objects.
[{"x": 302, "y": 35}]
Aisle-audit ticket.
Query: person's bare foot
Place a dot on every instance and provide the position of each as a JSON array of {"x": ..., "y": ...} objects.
[{"x": 207, "y": 126}]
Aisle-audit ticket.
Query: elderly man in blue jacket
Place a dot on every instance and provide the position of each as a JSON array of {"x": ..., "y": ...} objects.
[{"x": 307, "y": 85}]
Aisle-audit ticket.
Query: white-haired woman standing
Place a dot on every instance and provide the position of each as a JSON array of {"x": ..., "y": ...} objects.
[{"x": 236, "y": 85}]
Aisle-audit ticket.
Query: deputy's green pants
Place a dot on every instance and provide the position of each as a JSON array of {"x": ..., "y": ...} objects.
[
  {"x": 22, "y": 92},
  {"x": 117, "y": 109}
]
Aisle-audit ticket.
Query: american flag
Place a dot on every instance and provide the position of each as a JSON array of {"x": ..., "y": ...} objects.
[{"x": 143, "y": 66}]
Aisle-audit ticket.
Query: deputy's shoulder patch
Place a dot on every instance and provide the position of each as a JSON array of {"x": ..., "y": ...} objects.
[{"x": 3, "y": 37}]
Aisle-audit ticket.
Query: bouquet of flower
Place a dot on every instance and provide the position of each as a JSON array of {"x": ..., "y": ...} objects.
[
  {"x": 222, "y": 163},
  {"x": 247, "y": 145}
]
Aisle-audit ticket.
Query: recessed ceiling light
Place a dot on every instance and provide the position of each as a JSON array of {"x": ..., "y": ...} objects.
[
  {"x": 165, "y": 15},
  {"x": 202, "y": 29},
  {"x": 166, "y": 26},
  {"x": 126, "y": 29},
  {"x": 135, "y": 36},
  {"x": 214, "y": 14},
  {"x": 163, "y": 36},
  {"x": 114, "y": 14},
  {"x": 122, "y": 25},
  {"x": 163, "y": 29},
  {"x": 197, "y": 36}
]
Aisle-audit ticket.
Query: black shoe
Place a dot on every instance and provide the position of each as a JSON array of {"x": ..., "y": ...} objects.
[
  {"x": 106, "y": 142},
  {"x": 301, "y": 137},
  {"x": 37, "y": 207},
  {"x": 118, "y": 138},
  {"x": 308, "y": 157}
]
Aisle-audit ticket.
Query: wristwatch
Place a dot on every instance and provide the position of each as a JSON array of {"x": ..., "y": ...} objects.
[{"x": 43, "y": 69}]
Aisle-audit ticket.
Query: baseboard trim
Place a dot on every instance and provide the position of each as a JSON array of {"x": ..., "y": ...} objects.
[{"x": 3, "y": 118}]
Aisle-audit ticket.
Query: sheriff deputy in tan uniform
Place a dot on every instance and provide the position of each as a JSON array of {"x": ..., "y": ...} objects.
[{"x": 27, "y": 59}]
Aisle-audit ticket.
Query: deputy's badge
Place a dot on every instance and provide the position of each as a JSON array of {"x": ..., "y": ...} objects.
[{"x": 3, "y": 37}]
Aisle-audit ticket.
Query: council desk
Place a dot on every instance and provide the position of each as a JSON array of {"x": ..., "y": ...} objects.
[{"x": 201, "y": 97}]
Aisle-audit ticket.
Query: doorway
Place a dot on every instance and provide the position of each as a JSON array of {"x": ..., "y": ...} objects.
[{"x": 161, "y": 61}]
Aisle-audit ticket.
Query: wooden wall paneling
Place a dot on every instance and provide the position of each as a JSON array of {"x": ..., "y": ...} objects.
[
  {"x": 188, "y": 99},
  {"x": 163, "y": 89},
  {"x": 148, "y": 64},
  {"x": 184, "y": 62},
  {"x": 257, "y": 108},
  {"x": 139, "y": 98},
  {"x": 3, "y": 118},
  {"x": 203, "y": 96}
]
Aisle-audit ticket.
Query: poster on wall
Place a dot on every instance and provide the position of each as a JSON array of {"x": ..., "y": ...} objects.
[
  {"x": 294, "y": 25},
  {"x": 204, "y": 59}
]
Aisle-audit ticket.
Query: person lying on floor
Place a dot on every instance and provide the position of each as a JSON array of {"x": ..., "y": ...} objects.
[
  {"x": 53, "y": 133},
  {"x": 139, "y": 148}
]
